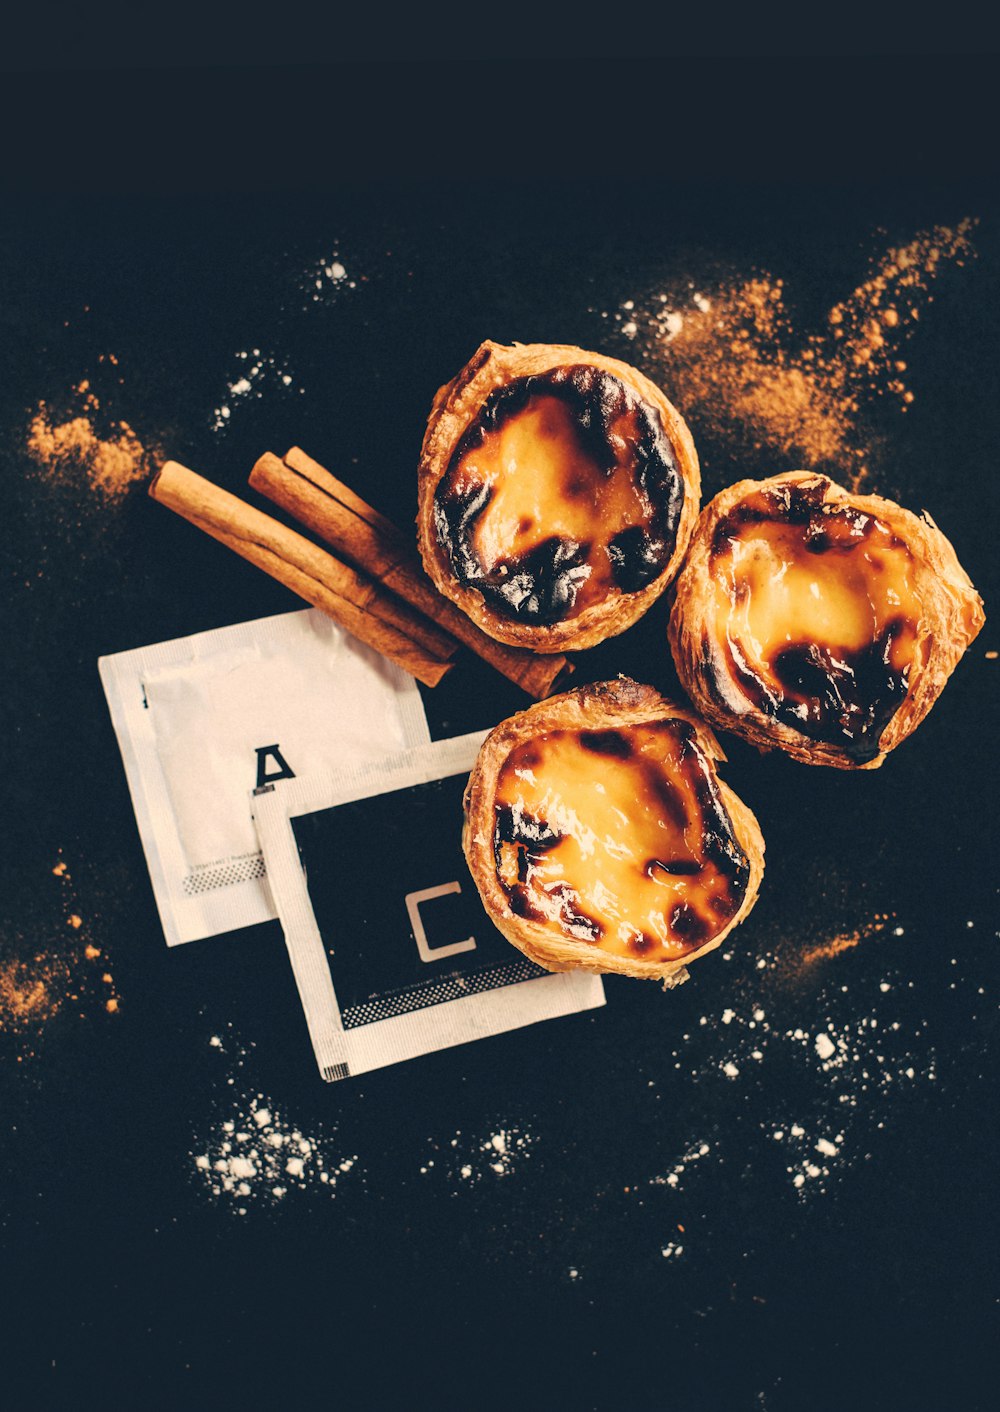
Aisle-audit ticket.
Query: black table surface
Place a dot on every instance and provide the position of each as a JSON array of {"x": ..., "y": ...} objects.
[{"x": 650, "y": 1241}]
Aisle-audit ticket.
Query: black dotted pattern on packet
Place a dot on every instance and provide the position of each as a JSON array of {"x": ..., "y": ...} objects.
[
  {"x": 384, "y": 1007},
  {"x": 224, "y": 876}
]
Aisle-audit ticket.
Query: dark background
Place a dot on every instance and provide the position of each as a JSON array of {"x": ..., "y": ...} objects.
[{"x": 168, "y": 220}]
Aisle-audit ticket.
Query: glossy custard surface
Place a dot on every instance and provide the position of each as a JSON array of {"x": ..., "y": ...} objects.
[
  {"x": 619, "y": 838},
  {"x": 816, "y": 614},
  {"x": 564, "y": 489}
]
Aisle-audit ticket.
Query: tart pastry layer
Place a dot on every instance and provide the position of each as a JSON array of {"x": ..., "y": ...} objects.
[
  {"x": 558, "y": 491},
  {"x": 601, "y": 838},
  {"x": 818, "y": 621}
]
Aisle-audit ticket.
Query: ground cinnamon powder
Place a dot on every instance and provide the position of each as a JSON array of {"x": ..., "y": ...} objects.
[
  {"x": 731, "y": 357},
  {"x": 32, "y": 992},
  {"x": 109, "y": 452},
  {"x": 846, "y": 941},
  {"x": 37, "y": 984}
]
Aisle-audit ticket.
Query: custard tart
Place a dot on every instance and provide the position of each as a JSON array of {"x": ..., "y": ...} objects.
[
  {"x": 558, "y": 490},
  {"x": 601, "y": 838},
  {"x": 818, "y": 621}
]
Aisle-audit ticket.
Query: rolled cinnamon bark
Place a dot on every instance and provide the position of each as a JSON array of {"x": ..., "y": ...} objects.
[
  {"x": 359, "y": 605},
  {"x": 339, "y": 516}
]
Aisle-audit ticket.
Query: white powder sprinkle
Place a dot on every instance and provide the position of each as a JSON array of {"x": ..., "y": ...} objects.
[
  {"x": 825, "y": 1046},
  {"x": 257, "y": 372},
  {"x": 844, "y": 1056},
  {"x": 694, "y": 1153},
  {"x": 323, "y": 281},
  {"x": 262, "y": 1173},
  {"x": 467, "y": 1161}
]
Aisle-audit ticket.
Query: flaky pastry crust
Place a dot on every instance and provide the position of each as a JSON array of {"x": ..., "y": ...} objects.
[
  {"x": 950, "y": 618},
  {"x": 606, "y": 705},
  {"x": 456, "y": 406}
]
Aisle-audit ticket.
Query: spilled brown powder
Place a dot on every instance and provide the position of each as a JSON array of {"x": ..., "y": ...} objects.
[
  {"x": 733, "y": 358},
  {"x": 108, "y": 451},
  {"x": 845, "y": 941},
  {"x": 36, "y": 985},
  {"x": 33, "y": 991}
]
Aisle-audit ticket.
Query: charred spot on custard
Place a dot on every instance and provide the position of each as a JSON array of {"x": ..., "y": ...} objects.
[
  {"x": 608, "y": 742},
  {"x": 688, "y": 925},
  {"x": 530, "y": 837},
  {"x": 576, "y": 921},
  {"x": 622, "y": 839},
  {"x": 521, "y": 905},
  {"x": 601, "y": 457},
  {"x": 826, "y": 691},
  {"x": 636, "y": 558},
  {"x": 675, "y": 867},
  {"x": 667, "y": 795}
]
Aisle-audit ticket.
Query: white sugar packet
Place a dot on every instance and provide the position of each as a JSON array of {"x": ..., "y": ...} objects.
[
  {"x": 393, "y": 953},
  {"x": 203, "y": 719}
]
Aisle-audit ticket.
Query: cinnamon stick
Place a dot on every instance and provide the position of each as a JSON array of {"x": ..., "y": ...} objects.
[
  {"x": 359, "y": 605},
  {"x": 339, "y": 516}
]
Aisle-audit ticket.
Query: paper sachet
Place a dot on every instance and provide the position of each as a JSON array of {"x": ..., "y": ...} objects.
[
  {"x": 201, "y": 720},
  {"x": 393, "y": 953}
]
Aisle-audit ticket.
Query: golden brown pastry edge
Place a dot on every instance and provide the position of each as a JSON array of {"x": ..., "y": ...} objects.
[
  {"x": 953, "y": 616},
  {"x": 455, "y": 405},
  {"x": 606, "y": 704}
]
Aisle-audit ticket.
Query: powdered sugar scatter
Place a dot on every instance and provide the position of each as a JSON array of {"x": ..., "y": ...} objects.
[
  {"x": 325, "y": 279},
  {"x": 810, "y": 1089},
  {"x": 466, "y": 1161},
  {"x": 694, "y": 1153},
  {"x": 256, "y": 373},
  {"x": 253, "y": 1155}
]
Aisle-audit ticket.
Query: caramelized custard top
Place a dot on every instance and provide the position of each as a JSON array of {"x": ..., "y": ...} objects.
[
  {"x": 564, "y": 489},
  {"x": 820, "y": 611},
  {"x": 619, "y": 838}
]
